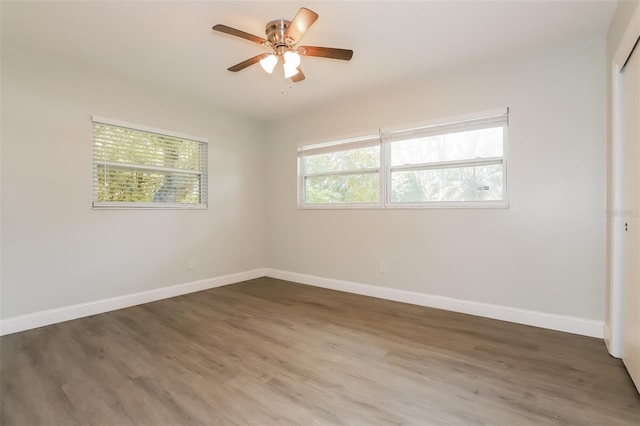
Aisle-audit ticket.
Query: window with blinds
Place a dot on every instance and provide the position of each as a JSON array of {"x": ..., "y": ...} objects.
[
  {"x": 454, "y": 163},
  {"x": 137, "y": 166}
]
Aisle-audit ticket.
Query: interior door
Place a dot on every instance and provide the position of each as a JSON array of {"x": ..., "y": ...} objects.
[{"x": 631, "y": 292}]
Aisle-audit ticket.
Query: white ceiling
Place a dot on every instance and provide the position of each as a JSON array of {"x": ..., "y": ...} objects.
[{"x": 171, "y": 44}]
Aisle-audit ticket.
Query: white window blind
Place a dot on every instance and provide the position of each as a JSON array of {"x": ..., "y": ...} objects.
[
  {"x": 137, "y": 166},
  {"x": 493, "y": 120}
]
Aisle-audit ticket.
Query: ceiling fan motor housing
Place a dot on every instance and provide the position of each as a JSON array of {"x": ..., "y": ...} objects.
[{"x": 275, "y": 31}]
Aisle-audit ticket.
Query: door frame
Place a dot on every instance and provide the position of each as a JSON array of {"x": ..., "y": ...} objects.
[{"x": 615, "y": 209}]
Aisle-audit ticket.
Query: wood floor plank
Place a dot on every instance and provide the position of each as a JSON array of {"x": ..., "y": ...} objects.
[{"x": 271, "y": 352}]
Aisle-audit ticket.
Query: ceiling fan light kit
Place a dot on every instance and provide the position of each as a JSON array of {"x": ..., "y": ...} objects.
[
  {"x": 269, "y": 63},
  {"x": 289, "y": 70},
  {"x": 282, "y": 39},
  {"x": 291, "y": 58}
]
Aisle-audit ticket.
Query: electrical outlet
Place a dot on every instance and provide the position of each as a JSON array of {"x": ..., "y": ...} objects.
[
  {"x": 383, "y": 267},
  {"x": 191, "y": 264}
]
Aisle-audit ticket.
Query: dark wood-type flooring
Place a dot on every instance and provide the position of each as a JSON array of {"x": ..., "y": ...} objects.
[{"x": 270, "y": 352}]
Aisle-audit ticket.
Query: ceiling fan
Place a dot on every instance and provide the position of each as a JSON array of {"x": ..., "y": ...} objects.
[{"x": 282, "y": 38}]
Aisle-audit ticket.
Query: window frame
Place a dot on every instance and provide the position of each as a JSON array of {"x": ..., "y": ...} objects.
[
  {"x": 203, "y": 173},
  {"x": 477, "y": 121}
]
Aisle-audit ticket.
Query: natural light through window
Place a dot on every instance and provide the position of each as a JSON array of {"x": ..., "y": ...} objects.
[
  {"x": 141, "y": 167},
  {"x": 343, "y": 174},
  {"x": 460, "y": 166},
  {"x": 453, "y": 164}
]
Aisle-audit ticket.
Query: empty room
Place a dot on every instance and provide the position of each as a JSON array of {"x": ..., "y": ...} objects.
[{"x": 320, "y": 213}]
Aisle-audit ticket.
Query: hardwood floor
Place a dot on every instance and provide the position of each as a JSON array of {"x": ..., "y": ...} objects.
[{"x": 270, "y": 352}]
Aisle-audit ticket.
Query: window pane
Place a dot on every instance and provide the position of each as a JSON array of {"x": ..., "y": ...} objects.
[
  {"x": 483, "y": 143},
  {"x": 353, "y": 159},
  {"x": 476, "y": 183},
  {"x": 362, "y": 188},
  {"x": 124, "y": 185}
]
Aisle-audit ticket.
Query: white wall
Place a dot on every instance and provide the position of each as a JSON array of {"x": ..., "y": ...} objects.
[
  {"x": 56, "y": 250},
  {"x": 544, "y": 253}
]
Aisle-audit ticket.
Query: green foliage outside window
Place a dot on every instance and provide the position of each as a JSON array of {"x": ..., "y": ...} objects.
[
  {"x": 138, "y": 166},
  {"x": 479, "y": 183},
  {"x": 343, "y": 189},
  {"x": 337, "y": 182},
  {"x": 451, "y": 163}
]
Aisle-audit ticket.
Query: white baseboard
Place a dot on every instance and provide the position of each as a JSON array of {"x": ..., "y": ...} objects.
[
  {"x": 52, "y": 316},
  {"x": 564, "y": 323},
  {"x": 569, "y": 324}
]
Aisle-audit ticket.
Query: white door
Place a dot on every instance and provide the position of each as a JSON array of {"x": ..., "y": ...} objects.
[{"x": 631, "y": 292}]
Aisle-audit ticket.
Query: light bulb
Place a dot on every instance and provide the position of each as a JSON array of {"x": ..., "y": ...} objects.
[
  {"x": 269, "y": 63},
  {"x": 292, "y": 58},
  {"x": 289, "y": 70}
]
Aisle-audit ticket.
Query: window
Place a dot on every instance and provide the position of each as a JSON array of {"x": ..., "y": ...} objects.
[
  {"x": 135, "y": 166},
  {"x": 452, "y": 164},
  {"x": 344, "y": 173},
  {"x": 449, "y": 163}
]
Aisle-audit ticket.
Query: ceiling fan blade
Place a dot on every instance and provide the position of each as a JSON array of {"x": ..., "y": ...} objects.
[
  {"x": 298, "y": 77},
  {"x": 301, "y": 23},
  {"x": 326, "y": 52},
  {"x": 242, "y": 65},
  {"x": 234, "y": 32}
]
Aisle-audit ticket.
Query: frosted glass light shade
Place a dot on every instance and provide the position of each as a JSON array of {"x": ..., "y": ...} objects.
[
  {"x": 289, "y": 70},
  {"x": 269, "y": 63},
  {"x": 292, "y": 58}
]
